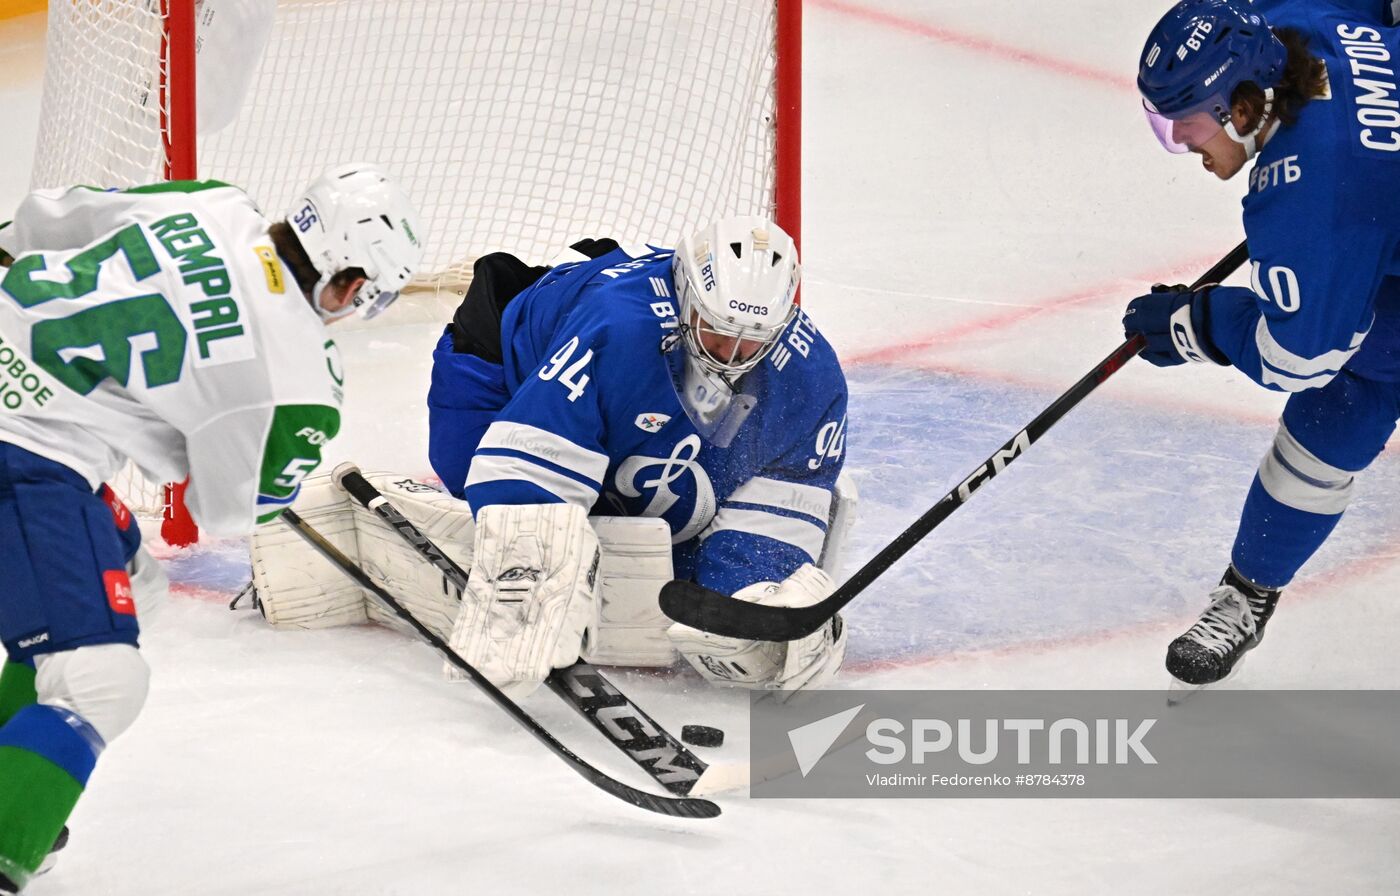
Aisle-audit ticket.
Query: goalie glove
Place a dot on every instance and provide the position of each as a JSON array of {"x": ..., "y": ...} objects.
[
  {"x": 809, "y": 662},
  {"x": 530, "y": 594}
]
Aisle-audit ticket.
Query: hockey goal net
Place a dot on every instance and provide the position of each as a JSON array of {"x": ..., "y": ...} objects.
[{"x": 515, "y": 125}]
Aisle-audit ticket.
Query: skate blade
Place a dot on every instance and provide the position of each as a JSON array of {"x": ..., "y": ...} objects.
[{"x": 1178, "y": 691}]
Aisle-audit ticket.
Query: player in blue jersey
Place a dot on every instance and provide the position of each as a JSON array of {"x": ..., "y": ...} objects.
[
  {"x": 1307, "y": 90},
  {"x": 685, "y": 387}
]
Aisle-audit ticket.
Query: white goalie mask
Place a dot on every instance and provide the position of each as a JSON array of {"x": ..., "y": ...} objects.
[
  {"x": 353, "y": 216},
  {"x": 736, "y": 281}
]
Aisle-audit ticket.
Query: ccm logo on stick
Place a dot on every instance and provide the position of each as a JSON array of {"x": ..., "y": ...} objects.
[{"x": 995, "y": 465}]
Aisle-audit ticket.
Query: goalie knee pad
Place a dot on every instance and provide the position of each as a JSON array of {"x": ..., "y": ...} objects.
[
  {"x": 809, "y": 662},
  {"x": 530, "y": 593},
  {"x": 628, "y": 627},
  {"x": 105, "y": 684},
  {"x": 1295, "y": 477}
]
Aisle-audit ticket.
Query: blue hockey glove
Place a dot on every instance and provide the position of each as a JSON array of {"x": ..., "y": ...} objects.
[{"x": 1175, "y": 321}]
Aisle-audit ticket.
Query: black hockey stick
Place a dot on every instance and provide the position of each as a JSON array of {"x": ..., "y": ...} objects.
[
  {"x": 699, "y": 607},
  {"x": 679, "y": 807},
  {"x": 669, "y": 762}
]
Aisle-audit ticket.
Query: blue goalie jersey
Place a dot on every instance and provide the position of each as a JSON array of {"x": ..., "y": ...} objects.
[
  {"x": 589, "y": 416},
  {"x": 1321, "y": 215}
]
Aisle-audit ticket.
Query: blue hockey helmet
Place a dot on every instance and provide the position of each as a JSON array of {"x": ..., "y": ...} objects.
[{"x": 1200, "y": 51}]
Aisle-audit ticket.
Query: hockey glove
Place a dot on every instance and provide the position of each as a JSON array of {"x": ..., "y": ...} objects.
[{"x": 1176, "y": 322}]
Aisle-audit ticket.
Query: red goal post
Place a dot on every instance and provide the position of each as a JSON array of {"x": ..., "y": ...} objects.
[{"x": 515, "y": 125}]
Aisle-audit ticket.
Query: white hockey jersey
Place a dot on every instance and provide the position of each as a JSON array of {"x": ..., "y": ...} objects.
[{"x": 158, "y": 324}]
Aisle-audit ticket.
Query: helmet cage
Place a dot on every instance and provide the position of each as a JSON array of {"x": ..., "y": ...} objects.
[{"x": 748, "y": 344}]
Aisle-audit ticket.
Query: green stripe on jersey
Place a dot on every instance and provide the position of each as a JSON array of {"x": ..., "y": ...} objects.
[{"x": 293, "y": 448}]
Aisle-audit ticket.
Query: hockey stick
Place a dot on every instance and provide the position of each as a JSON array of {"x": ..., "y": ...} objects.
[
  {"x": 699, "y": 607},
  {"x": 678, "y": 807},
  {"x": 669, "y": 762}
]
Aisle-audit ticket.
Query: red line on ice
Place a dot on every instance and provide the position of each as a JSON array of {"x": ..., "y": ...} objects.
[
  {"x": 978, "y": 44},
  {"x": 1116, "y": 289}
]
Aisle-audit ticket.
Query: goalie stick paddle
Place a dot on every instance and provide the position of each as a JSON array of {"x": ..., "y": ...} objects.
[
  {"x": 668, "y": 761},
  {"x": 710, "y": 611},
  {"x": 677, "y": 807}
]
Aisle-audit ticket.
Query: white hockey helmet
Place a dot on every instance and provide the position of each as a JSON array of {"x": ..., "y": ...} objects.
[
  {"x": 354, "y": 216},
  {"x": 736, "y": 281}
]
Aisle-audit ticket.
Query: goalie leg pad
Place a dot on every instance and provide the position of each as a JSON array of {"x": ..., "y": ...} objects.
[
  {"x": 530, "y": 595},
  {"x": 628, "y": 627},
  {"x": 422, "y": 589},
  {"x": 297, "y": 587},
  {"x": 809, "y": 662}
]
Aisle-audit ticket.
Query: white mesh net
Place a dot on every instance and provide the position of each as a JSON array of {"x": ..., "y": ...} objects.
[{"x": 515, "y": 125}]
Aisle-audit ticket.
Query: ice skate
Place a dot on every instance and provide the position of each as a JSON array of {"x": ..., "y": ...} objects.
[{"x": 1211, "y": 650}]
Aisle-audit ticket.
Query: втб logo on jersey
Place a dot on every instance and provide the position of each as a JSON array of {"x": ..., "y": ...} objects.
[{"x": 682, "y": 460}]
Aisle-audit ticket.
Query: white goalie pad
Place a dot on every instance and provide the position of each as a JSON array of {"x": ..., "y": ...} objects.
[
  {"x": 298, "y": 588},
  {"x": 809, "y": 662},
  {"x": 628, "y": 627},
  {"x": 845, "y": 497},
  {"x": 530, "y": 595}
]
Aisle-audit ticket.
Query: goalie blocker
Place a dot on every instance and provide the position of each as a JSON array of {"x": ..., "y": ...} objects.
[{"x": 549, "y": 590}]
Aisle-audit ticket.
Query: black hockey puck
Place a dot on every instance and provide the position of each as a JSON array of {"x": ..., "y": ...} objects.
[{"x": 702, "y": 736}]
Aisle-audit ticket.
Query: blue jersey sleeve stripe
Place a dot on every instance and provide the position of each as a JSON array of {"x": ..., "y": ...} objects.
[
  {"x": 560, "y": 452},
  {"x": 509, "y": 491},
  {"x": 503, "y": 467},
  {"x": 801, "y": 535}
]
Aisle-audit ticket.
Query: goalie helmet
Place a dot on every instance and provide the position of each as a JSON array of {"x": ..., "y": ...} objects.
[
  {"x": 736, "y": 282},
  {"x": 353, "y": 216},
  {"x": 1193, "y": 60}
]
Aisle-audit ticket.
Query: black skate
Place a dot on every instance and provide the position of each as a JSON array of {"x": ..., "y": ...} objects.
[{"x": 1232, "y": 624}]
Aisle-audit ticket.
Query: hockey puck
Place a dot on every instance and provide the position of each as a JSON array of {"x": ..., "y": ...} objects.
[{"x": 702, "y": 736}]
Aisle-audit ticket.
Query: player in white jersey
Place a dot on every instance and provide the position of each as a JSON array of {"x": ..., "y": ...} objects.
[{"x": 173, "y": 326}]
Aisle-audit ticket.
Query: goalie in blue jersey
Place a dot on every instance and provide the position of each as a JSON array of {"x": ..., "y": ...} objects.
[
  {"x": 627, "y": 415},
  {"x": 1307, "y": 90}
]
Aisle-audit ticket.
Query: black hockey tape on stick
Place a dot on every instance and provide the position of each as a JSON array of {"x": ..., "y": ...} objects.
[
  {"x": 626, "y": 726},
  {"x": 710, "y": 611},
  {"x": 677, "y": 807}
]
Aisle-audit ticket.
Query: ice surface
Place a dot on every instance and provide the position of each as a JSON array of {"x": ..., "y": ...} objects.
[{"x": 982, "y": 195}]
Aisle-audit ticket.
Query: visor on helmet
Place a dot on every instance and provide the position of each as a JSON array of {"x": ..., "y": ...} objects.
[
  {"x": 1190, "y": 128},
  {"x": 371, "y": 301}
]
